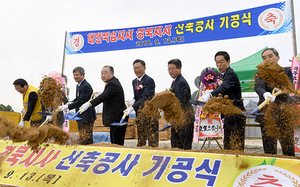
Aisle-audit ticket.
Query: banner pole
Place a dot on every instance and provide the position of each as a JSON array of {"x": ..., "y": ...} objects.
[
  {"x": 294, "y": 29},
  {"x": 64, "y": 55}
]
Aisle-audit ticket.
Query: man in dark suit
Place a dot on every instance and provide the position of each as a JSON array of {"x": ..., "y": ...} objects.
[
  {"x": 113, "y": 105},
  {"x": 264, "y": 91},
  {"x": 143, "y": 89},
  {"x": 234, "y": 125},
  {"x": 84, "y": 92},
  {"x": 181, "y": 138}
]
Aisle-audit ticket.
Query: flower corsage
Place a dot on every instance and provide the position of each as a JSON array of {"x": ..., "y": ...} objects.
[{"x": 139, "y": 87}]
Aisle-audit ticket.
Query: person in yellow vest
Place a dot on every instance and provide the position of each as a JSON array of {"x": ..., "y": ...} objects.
[{"x": 31, "y": 103}]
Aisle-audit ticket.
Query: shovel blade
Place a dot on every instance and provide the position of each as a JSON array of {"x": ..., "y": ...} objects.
[
  {"x": 253, "y": 114},
  {"x": 45, "y": 113},
  {"x": 164, "y": 129},
  {"x": 200, "y": 103},
  {"x": 70, "y": 116},
  {"x": 118, "y": 124}
]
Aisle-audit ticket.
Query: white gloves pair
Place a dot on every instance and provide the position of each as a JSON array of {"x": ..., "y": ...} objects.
[
  {"x": 206, "y": 96},
  {"x": 267, "y": 95},
  {"x": 82, "y": 109}
]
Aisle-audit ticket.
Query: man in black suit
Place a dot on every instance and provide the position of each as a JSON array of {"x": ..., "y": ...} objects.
[
  {"x": 234, "y": 125},
  {"x": 113, "y": 105},
  {"x": 264, "y": 91},
  {"x": 143, "y": 89},
  {"x": 183, "y": 137},
  {"x": 84, "y": 92}
]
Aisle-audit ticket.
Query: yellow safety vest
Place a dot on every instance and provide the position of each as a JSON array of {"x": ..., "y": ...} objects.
[{"x": 38, "y": 106}]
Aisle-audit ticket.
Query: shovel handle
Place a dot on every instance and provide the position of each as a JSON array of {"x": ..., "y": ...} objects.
[
  {"x": 125, "y": 114},
  {"x": 267, "y": 101},
  {"x": 44, "y": 123},
  {"x": 53, "y": 114}
]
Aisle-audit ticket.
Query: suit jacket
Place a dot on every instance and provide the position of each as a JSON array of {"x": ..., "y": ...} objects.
[
  {"x": 231, "y": 87},
  {"x": 83, "y": 95},
  {"x": 182, "y": 91},
  {"x": 142, "y": 94},
  {"x": 261, "y": 87},
  {"x": 113, "y": 102}
]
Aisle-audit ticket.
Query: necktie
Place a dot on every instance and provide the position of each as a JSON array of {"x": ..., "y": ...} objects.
[
  {"x": 221, "y": 75},
  {"x": 137, "y": 86},
  {"x": 172, "y": 83}
]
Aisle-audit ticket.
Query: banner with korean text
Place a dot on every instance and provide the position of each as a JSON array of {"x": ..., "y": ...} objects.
[
  {"x": 54, "y": 165},
  {"x": 296, "y": 70},
  {"x": 264, "y": 20}
]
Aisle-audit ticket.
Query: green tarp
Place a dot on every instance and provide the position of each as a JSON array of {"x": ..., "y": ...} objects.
[{"x": 246, "y": 69}]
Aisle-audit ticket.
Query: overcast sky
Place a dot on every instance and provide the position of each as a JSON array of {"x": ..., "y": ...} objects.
[{"x": 33, "y": 31}]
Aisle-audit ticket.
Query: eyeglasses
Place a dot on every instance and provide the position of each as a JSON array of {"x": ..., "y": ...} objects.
[
  {"x": 137, "y": 67},
  {"x": 172, "y": 69}
]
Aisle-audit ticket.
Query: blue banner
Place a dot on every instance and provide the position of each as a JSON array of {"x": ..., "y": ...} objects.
[{"x": 265, "y": 20}]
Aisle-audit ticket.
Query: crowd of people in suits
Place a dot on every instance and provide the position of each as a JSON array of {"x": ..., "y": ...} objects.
[{"x": 114, "y": 108}]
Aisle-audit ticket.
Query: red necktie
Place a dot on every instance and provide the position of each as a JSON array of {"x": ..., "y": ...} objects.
[{"x": 172, "y": 83}]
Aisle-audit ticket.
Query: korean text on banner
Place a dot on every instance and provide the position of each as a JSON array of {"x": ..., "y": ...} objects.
[
  {"x": 264, "y": 20},
  {"x": 56, "y": 165},
  {"x": 295, "y": 70}
]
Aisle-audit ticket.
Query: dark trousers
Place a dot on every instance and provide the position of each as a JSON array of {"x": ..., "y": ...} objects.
[
  {"x": 234, "y": 131},
  {"x": 286, "y": 139},
  {"x": 117, "y": 134},
  {"x": 86, "y": 133},
  {"x": 147, "y": 130},
  {"x": 60, "y": 120},
  {"x": 183, "y": 137}
]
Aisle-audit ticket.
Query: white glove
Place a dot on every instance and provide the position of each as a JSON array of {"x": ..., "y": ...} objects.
[
  {"x": 131, "y": 101},
  {"x": 129, "y": 110},
  {"x": 267, "y": 95},
  {"x": 205, "y": 97},
  {"x": 96, "y": 94},
  {"x": 208, "y": 91},
  {"x": 49, "y": 118},
  {"x": 23, "y": 111},
  {"x": 63, "y": 107},
  {"x": 84, "y": 107},
  {"x": 21, "y": 124}
]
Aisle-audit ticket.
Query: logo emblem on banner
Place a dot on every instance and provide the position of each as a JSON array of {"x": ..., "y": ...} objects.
[
  {"x": 266, "y": 175},
  {"x": 271, "y": 19},
  {"x": 76, "y": 42}
]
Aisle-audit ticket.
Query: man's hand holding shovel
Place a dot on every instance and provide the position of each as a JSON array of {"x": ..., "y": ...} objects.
[
  {"x": 129, "y": 109},
  {"x": 206, "y": 96},
  {"x": 84, "y": 107},
  {"x": 63, "y": 107}
]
